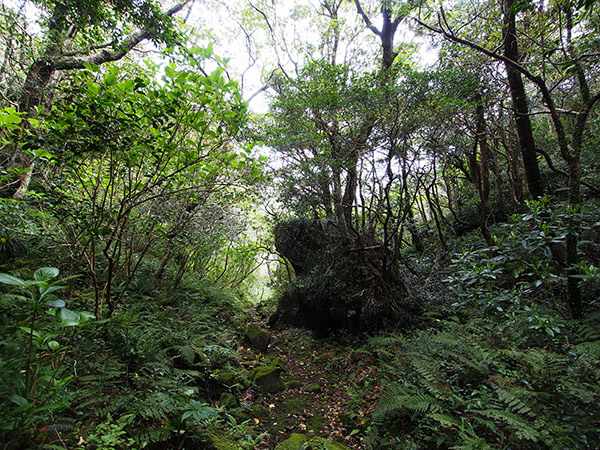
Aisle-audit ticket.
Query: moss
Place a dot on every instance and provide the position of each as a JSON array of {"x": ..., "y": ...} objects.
[
  {"x": 228, "y": 400},
  {"x": 258, "y": 336},
  {"x": 220, "y": 440},
  {"x": 301, "y": 442},
  {"x": 268, "y": 378},
  {"x": 225, "y": 377},
  {"x": 317, "y": 423},
  {"x": 292, "y": 384},
  {"x": 313, "y": 388},
  {"x": 294, "y": 442}
]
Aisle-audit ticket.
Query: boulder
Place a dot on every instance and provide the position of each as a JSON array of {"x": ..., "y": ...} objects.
[
  {"x": 258, "y": 337},
  {"x": 268, "y": 378},
  {"x": 347, "y": 282},
  {"x": 228, "y": 400}
]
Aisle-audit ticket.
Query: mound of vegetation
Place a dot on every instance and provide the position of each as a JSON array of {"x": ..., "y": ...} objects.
[{"x": 341, "y": 282}]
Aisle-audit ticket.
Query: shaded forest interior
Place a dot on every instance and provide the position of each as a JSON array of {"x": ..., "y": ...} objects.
[{"x": 294, "y": 229}]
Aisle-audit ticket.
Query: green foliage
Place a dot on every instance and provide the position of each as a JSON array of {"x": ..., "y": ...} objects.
[
  {"x": 464, "y": 385},
  {"x": 518, "y": 280},
  {"x": 139, "y": 161},
  {"x": 503, "y": 370},
  {"x": 35, "y": 342}
]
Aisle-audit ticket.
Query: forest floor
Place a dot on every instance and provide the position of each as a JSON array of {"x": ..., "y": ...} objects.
[{"x": 330, "y": 389}]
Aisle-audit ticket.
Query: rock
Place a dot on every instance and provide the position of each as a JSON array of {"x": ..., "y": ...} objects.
[
  {"x": 294, "y": 442},
  {"x": 313, "y": 388},
  {"x": 268, "y": 378},
  {"x": 226, "y": 377},
  {"x": 228, "y": 400},
  {"x": 219, "y": 439},
  {"x": 293, "y": 384},
  {"x": 301, "y": 442},
  {"x": 339, "y": 285},
  {"x": 258, "y": 336},
  {"x": 252, "y": 412}
]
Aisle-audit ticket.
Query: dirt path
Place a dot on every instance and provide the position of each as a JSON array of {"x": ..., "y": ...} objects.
[{"x": 330, "y": 390}]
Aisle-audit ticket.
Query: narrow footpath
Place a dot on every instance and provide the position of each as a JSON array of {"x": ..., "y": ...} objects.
[{"x": 319, "y": 388}]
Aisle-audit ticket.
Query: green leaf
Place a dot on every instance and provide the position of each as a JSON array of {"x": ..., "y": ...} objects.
[
  {"x": 93, "y": 89},
  {"x": 53, "y": 345},
  {"x": 49, "y": 289},
  {"x": 56, "y": 303},
  {"x": 18, "y": 400},
  {"x": 169, "y": 72},
  {"x": 28, "y": 331},
  {"x": 68, "y": 315},
  {"x": 110, "y": 79},
  {"x": 45, "y": 273},
  {"x": 13, "y": 281}
]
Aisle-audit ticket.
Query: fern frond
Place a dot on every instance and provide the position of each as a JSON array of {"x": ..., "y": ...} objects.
[
  {"x": 445, "y": 420},
  {"x": 517, "y": 424},
  {"x": 432, "y": 378},
  {"x": 398, "y": 398},
  {"x": 152, "y": 435},
  {"x": 512, "y": 399}
]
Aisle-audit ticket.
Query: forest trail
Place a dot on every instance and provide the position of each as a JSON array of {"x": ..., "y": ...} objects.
[{"x": 330, "y": 390}]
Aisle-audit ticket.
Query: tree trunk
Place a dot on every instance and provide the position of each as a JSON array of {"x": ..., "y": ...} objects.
[{"x": 519, "y": 101}]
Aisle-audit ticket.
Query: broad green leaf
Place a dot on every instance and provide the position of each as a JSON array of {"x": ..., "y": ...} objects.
[
  {"x": 18, "y": 400},
  {"x": 50, "y": 289},
  {"x": 9, "y": 117},
  {"x": 53, "y": 345},
  {"x": 45, "y": 273},
  {"x": 169, "y": 72},
  {"x": 56, "y": 303},
  {"x": 68, "y": 315},
  {"x": 93, "y": 89},
  {"x": 85, "y": 316},
  {"x": 28, "y": 331},
  {"x": 13, "y": 281}
]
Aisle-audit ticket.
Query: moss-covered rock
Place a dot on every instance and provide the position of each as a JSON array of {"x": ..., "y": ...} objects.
[
  {"x": 258, "y": 336},
  {"x": 226, "y": 377},
  {"x": 254, "y": 411},
  {"x": 228, "y": 400},
  {"x": 341, "y": 282},
  {"x": 294, "y": 442},
  {"x": 268, "y": 378},
  {"x": 302, "y": 442},
  {"x": 219, "y": 439},
  {"x": 278, "y": 361},
  {"x": 313, "y": 388},
  {"x": 293, "y": 384}
]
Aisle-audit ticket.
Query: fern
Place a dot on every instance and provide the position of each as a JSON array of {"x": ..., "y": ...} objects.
[
  {"x": 512, "y": 398},
  {"x": 520, "y": 426},
  {"x": 158, "y": 407},
  {"x": 398, "y": 398},
  {"x": 431, "y": 377},
  {"x": 152, "y": 435},
  {"x": 446, "y": 420}
]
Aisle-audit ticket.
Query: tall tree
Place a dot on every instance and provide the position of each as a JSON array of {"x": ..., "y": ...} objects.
[
  {"x": 559, "y": 46},
  {"x": 519, "y": 101}
]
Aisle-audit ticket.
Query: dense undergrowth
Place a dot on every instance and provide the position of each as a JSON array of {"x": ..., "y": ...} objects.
[
  {"x": 143, "y": 379},
  {"x": 501, "y": 366},
  {"x": 495, "y": 363}
]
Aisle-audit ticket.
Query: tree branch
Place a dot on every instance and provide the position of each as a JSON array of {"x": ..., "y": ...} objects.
[
  {"x": 366, "y": 19},
  {"x": 104, "y": 56}
]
